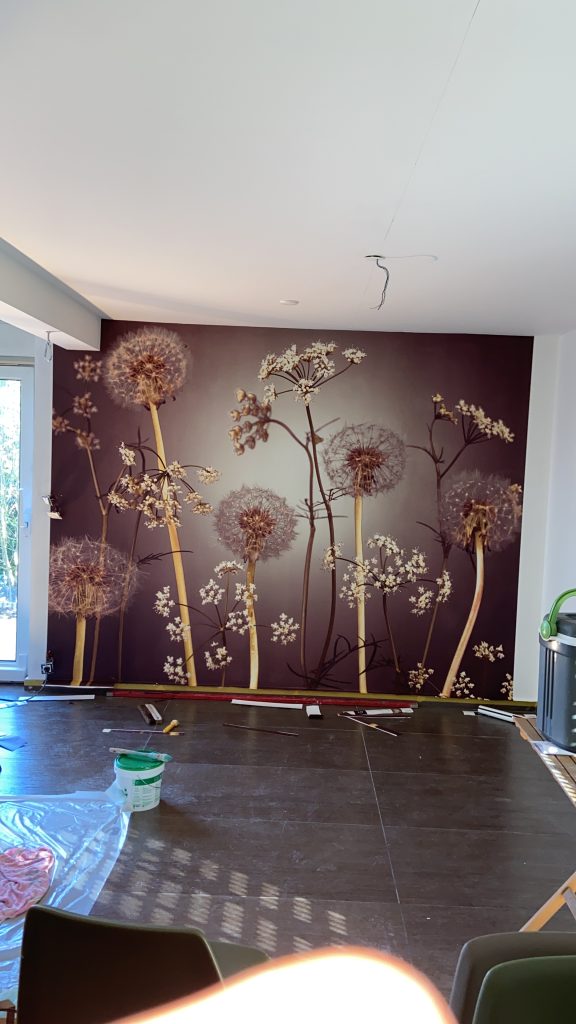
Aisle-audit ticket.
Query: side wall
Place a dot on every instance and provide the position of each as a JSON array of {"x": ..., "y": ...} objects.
[{"x": 548, "y": 552}]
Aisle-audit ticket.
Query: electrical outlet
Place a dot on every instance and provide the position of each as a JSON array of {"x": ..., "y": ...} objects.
[{"x": 47, "y": 667}]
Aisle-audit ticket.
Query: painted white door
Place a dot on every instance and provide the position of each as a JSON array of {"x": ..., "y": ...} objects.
[{"x": 16, "y": 433}]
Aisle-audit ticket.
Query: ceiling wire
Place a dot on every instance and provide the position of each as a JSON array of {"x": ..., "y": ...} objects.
[
  {"x": 417, "y": 159},
  {"x": 428, "y": 130}
]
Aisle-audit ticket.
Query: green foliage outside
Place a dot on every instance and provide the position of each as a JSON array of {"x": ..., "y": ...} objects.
[{"x": 9, "y": 489}]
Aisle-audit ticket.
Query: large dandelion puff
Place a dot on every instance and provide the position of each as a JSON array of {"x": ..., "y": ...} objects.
[
  {"x": 146, "y": 368},
  {"x": 256, "y": 524},
  {"x": 364, "y": 460},
  {"x": 88, "y": 579},
  {"x": 478, "y": 513}
]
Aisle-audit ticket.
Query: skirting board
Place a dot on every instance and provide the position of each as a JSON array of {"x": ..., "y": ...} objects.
[{"x": 306, "y": 696}]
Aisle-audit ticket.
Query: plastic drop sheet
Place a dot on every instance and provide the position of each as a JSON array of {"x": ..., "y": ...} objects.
[{"x": 85, "y": 831}]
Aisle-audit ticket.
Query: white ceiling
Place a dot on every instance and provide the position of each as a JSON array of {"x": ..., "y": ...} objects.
[{"x": 198, "y": 160}]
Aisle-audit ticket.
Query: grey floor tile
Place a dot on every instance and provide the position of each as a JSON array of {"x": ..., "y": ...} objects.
[
  {"x": 173, "y": 851},
  {"x": 457, "y": 755},
  {"x": 422, "y": 800},
  {"x": 278, "y": 925},
  {"x": 271, "y": 793},
  {"x": 211, "y": 743},
  {"x": 447, "y": 867}
]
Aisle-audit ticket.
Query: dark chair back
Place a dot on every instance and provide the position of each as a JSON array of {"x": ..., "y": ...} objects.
[
  {"x": 84, "y": 970},
  {"x": 534, "y": 991}
]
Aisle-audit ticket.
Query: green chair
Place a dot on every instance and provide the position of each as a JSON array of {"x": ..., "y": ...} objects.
[
  {"x": 480, "y": 955},
  {"x": 534, "y": 991},
  {"x": 86, "y": 970}
]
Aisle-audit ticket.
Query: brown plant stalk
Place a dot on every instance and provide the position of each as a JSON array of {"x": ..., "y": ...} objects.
[
  {"x": 452, "y": 673},
  {"x": 251, "y": 616},
  {"x": 176, "y": 556}
]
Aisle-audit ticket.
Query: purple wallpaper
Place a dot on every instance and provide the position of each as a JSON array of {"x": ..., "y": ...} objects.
[{"x": 289, "y": 509}]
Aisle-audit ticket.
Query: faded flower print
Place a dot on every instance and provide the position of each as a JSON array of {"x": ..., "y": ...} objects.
[
  {"x": 255, "y": 524},
  {"x": 304, "y": 511}
]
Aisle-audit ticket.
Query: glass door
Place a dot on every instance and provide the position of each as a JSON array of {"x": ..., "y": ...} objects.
[{"x": 16, "y": 411}]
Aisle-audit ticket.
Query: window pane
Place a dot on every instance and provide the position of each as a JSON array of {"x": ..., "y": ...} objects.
[{"x": 9, "y": 508}]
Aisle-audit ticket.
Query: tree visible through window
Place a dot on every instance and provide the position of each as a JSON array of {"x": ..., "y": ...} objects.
[{"x": 9, "y": 502}]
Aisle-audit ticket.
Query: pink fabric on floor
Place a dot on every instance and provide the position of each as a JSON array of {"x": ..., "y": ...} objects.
[{"x": 24, "y": 879}]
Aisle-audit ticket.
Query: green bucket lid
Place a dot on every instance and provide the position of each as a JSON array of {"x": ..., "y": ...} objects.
[{"x": 134, "y": 763}]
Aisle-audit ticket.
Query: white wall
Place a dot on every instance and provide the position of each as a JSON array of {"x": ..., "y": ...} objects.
[
  {"x": 20, "y": 346},
  {"x": 548, "y": 551}
]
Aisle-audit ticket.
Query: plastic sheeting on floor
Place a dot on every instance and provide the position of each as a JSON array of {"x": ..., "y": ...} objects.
[{"x": 85, "y": 831}]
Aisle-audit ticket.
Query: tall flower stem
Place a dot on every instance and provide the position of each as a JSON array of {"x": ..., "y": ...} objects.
[
  {"x": 176, "y": 558},
  {"x": 78, "y": 666},
  {"x": 477, "y": 600},
  {"x": 125, "y": 595},
  {"x": 309, "y": 547},
  {"x": 433, "y": 617},
  {"x": 330, "y": 518},
  {"x": 361, "y": 597},
  {"x": 251, "y": 615},
  {"x": 307, "y": 568},
  {"x": 96, "y": 636},
  {"x": 390, "y": 634}
]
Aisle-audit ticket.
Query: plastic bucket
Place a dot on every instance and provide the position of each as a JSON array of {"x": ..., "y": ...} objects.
[{"x": 140, "y": 780}]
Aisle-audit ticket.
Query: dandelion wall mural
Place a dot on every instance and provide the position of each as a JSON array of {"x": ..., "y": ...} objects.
[{"x": 359, "y": 522}]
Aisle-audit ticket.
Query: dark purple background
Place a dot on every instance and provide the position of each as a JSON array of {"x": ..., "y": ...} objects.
[{"x": 392, "y": 387}]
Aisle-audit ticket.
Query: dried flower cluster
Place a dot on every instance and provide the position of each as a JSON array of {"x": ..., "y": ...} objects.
[
  {"x": 388, "y": 573},
  {"x": 476, "y": 425},
  {"x": 488, "y": 651},
  {"x": 82, "y": 405},
  {"x": 463, "y": 687},
  {"x": 84, "y": 438},
  {"x": 507, "y": 688},
  {"x": 237, "y": 621},
  {"x": 158, "y": 494},
  {"x": 331, "y": 554},
  {"x": 163, "y": 602},
  {"x": 217, "y": 657},
  {"x": 418, "y": 676},
  {"x": 303, "y": 373},
  {"x": 441, "y": 411},
  {"x": 177, "y": 629},
  {"x": 284, "y": 630},
  {"x": 256, "y": 416},
  {"x": 174, "y": 670},
  {"x": 486, "y": 505},
  {"x": 306, "y": 371},
  {"x": 255, "y": 523},
  {"x": 421, "y": 601},
  {"x": 145, "y": 367},
  {"x": 483, "y": 424},
  {"x": 88, "y": 369},
  {"x": 365, "y": 459},
  {"x": 88, "y": 578},
  {"x": 212, "y": 593}
]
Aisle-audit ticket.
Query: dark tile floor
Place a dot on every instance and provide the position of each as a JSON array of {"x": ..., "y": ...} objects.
[{"x": 336, "y": 835}]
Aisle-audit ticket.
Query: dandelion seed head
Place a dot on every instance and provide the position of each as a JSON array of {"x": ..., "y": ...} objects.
[
  {"x": 255, "y": 523},
  {"x": 145, "y": 367},
  {"x": 480, "y": 504},
  {"x": 365, "y": 459},
  {"x": 88, "y": 578}
]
